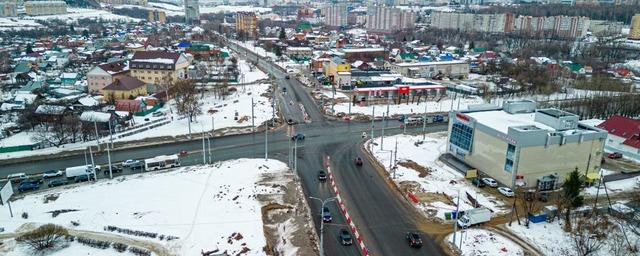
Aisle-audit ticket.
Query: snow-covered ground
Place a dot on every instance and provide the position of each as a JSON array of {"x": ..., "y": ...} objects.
[
  {"x": 250, "y": 73},
  {"x": 239, "y": 102},
  {"x": 338, "y": 95},
  {"x": 481, "y": 242},
  {"x": 398, "y": 109},
  {"x": 233, "y": 9},
  {"x": 73, "y": 14},
  {"x": 551, "y": 239},
  {"x": 440, "y": 178},
  {"x": 15, "y": 23},
  {"x": 71, "y": 249},
  {"x": 613, "y": 187},
  {"x": 202, "y": 205}
]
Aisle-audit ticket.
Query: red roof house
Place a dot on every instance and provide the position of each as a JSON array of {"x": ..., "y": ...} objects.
[{"x": 624, "y": 127}]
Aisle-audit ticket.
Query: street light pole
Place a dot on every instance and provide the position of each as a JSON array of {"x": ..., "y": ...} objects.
[
  {"x": 109, "y": 159},
  {"x": 424, "y": 120},
  {"x": 253, "y": 125},
  {"x": 373, "y": 118},
  {"x": 382, "y": 134},
  {"x": 93, "y": 165},
  {"x": 295, "y": 155},
  {"x": 322, "y": 204},
  {"x": 266, "y": 139}
]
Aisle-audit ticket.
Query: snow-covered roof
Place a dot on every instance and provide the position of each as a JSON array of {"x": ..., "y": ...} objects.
[
  {"x": 355, "y": 50},
  {"x": 500, "y": 120},
  {"x": 420, "y": 64},
  {"x": 88, "y": 101},
  {"x": 93, "y": 116}
]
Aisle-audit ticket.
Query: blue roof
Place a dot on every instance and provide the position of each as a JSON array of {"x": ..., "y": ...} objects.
[{"x": 184, "y": 44}]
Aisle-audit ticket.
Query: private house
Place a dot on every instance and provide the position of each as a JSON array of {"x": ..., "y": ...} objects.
[
  {"x": 158, "y": 68},
  {"x": 104, "y": 74},
  {"x": 124, "y": 87},
  {"x": 624, "y": 136}
]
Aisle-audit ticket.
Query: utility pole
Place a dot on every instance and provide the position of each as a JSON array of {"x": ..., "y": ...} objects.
[
  {"x": 253, "y": 125},
  {"x": 455, "y": 223},
  {"x": 382, "y": 134},
  {"x": 93, "y": 165},
  {"x": 373, "y": 118},
  {"x": 109, "y": 159},
  {"x": 395, "y": 160},
  {"x": 204, "y": 151},
  {"x": 322, "y": 204},
  {"x": 424, "y": 120},
  {"x": 295, "y": 156},
  {"x": 95, "y": 127},
  {"x": 110, "y": 134},
  {"x": 266, "y": 144},
  {"x": 333, "y": 98}
]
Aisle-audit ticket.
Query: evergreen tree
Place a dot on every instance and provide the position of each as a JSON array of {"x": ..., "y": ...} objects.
[
  {"x": 72, "y": 29},
  {"x": 282, "y": 35},
  {"x": 85, "y": 33},
  {"x": 571, "y": 192},
  {"x": 277, "y": 51},
  {"x": 29, "y": 49}
]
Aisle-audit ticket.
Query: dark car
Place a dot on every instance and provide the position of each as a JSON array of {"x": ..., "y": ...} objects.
[
  {"x": 290, "y": 121},
  {"x": 298, "y": 136},
  {"x": 284, "y": 89},
  {"x": 414, "y": 239},
  {"x": 83, "y": 178},
  {"x": 58, "y": 182},
  {"x": 39, "y": 181},
  {"x": 137, "y": 165},
  {"x": 114, "y": 169},
  {"x": 345, "y": 237},
  {"x": 24, "y": 186},
  {"x": 322, "y": 175},
  {"x": 359, "y": 161},
  {"x": 326, "y": 214},
  {"x": 477, "y": 182},
  {"x": 287, "y": 77}
]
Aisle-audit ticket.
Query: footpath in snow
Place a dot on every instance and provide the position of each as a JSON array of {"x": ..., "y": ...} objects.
[
  {"x": 435, "y": 185},
  {"x": 213, "y": 207}
]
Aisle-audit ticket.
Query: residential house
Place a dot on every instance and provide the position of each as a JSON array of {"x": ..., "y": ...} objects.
[
  {"x": 158, "y": 68},
  {"x": 624, "y": 136},
  {"x": 51, "y": 113},
  {"x": 124, "y": 87},
  {"x": 104, "y": 74},
  {"x": 338, "y": 70}
]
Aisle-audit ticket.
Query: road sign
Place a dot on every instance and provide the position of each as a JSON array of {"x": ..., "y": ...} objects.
[{"x": 6, "y": 193}]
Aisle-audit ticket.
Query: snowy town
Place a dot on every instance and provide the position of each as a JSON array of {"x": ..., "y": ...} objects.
[{"x": 287, "y": 127}]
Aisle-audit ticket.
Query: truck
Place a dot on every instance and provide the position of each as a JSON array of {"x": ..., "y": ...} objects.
[
  {"x": 76, "y": 171},
  {"x": 474, "y": 217}
]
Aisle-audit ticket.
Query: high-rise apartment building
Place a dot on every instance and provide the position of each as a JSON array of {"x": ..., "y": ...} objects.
[
  {"x": 634, "y": 32},
  {"x": 191, "y": 11},
  {"x": 157, "y": 16},
  {"x": 247, "y": 24},
  {"x": 388, "y": 19},
  {"x": 35, "y": 8},
  {"x": 8, "y": 9},
  {"x": 335, "y": 15}
]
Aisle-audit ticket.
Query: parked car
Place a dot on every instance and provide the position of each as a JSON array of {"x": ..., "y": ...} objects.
[
  {"x": 157, "y": 114},
  {"x": 290, "y": 121},
  {"x": 16, "y": 177},
  {"x": 505, "y": 191},
  {"x": 322, "y": 175},
  {"x": 614, "y": 155},
  {"x": 129, "y": 162},
  {"x": 490, "y": 182},
  {"x": 298, "y": 136},
  {"x": 114, "y": 169},
  {"x": 326, "y": 214},
  {"x": 477, "y": 182},
  {"x": 345, "y": 237},
  {"x": 83, "y": 178},
  {"x": 284, "y": 89},
  {"x": 137, "y": 165},
  {"x": 359, "y": 161},
  {"x": 287, "y": 77},
  {"x": 25, "y": 186},
  {"x": 52, "y": 173},
  {"x": 414, "y": 239},
  {"x": 57, "y": 182},
  {"x": 183, "y": 153},
  {"x": 34, "y": 180}
]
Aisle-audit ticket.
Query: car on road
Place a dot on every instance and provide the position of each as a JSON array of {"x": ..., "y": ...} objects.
[
  {"x": 114, "y": 169},
  {"x": 83, "y": 178},
  {"x": 359, "y": 161},
  {"x": 326, "y": 214},
  {"x": 345, "y": 237},
  {"x": 322, "y": 175},
  {"x": 51, "y": 174},
  {"x": 25, "y": 186},
  {"x": 284, "y": 89},
  {"x": 298, "y": 136},
  {"x": 490, "y": 182},
  {"x": 57, "y": 182},
  {"x": 477, "y": 182},
  {"x": 183, "y": 153},
  {"x": 614, "y": 155},
  {"x": 17, "y": 177},
  {"x": 129, "y": 162},
  {"x": 34, "y": 180},
  {"x": 414, "y": 239},
  {"x": 505, "y": 191},
  {"x": 290, "y": 121},
  {"x": 287, "y": 77}
]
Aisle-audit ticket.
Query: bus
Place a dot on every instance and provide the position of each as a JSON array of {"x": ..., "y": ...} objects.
[{"x": 161, "y": 162}]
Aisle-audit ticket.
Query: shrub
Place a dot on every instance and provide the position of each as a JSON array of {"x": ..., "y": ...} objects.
[{"x": 45, "y": 236}]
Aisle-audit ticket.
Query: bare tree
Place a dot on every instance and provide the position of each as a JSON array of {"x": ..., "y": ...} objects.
[
  {"x": 186, "y": 97},
  {"x": 63, "y": 130},
  {"x": 45, "y": 236},
  {"x": 589, "y": 234}
]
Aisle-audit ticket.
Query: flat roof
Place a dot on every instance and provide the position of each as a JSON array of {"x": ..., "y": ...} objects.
[
  {"x": 500, "y": 120},
  {"x": 421, "y": 64}
]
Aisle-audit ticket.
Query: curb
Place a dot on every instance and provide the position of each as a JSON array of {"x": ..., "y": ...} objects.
[{"x": 345, "y": 212}]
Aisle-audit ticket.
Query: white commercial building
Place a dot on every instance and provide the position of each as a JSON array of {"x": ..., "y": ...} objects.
[{"x": 454, "y": 68}]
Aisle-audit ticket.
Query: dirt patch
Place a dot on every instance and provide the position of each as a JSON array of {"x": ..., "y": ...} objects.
[
  {"x": 51, "y": 198},
  {"x": 243, "y": 119},
  {"x": 423, "y": 171}
]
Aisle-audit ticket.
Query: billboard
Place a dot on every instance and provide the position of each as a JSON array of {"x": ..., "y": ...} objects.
[{"x": 6, "y": 193}]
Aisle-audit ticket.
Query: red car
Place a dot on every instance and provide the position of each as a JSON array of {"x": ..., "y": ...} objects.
[{"x": 615, "y": 155}]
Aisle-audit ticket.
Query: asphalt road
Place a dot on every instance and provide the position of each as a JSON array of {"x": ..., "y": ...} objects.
[{"x": 381, "y": 216}]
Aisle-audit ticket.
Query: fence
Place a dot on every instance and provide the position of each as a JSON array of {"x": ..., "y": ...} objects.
[
  {"x": 151, "y": 110},
  {"x": 15, "y": 148}
]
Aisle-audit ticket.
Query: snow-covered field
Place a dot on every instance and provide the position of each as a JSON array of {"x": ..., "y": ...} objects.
[
  {"x": 74, "y": 14},
  {"x": 15, "y": 23},
  {"x": 71, "y": 249},
  {"x": 481, "y": 242},
  {"x": 440, "y": 179},
  {"x": 233, "y": 9},
  {"x": 250, "y": 73},
  {"x": 399, "y": 109},
  {"x": 202, "y": 205}
]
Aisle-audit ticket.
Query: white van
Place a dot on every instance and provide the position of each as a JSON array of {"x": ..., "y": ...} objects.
[{"x": 17, "y": 177}]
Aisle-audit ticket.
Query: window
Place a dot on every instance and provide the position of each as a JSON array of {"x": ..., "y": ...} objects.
[
  {"x": 461, "y": 136},
  {"x": 508, "y": 163}
]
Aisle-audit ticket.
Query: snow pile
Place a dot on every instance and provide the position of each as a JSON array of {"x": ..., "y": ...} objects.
[
  {"x": 480, "y": 242},
  {"x": 441, "y": 184},
  {"x": 206, "y": 207},
  {"x": 444, "y": 105}
]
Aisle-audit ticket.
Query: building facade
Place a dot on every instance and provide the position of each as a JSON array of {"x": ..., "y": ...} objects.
[
  {"x": 335, "y": 15},
  {"x": 191, "y": 11},
  {"x": 157, "y": 16},
  {"x": 102, "y": 75},
  {"x": 605, "y": 27},
  {"x": 35, "y": 8},
  {"x": 634, "y": 31},
  {"x": 487, "y": 23},
  {"x": 121, "y": 2},
  {"x": 247, "y": 24},
  {"x": 519, "y": 143},
  {"x": 124, "y": 87},
  {"x": 454, "y": 68},
  {"x": 158, "y": 68},
  {"x": 387, "y": 19},
  {"x": 8, "y": 9}
]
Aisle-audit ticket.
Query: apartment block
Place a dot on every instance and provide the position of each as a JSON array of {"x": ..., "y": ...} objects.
[
  {"x": 247, "y": 23},
  {"x": 335, "y": 15},
  {"x": 36, "y": 8},
  {"x": 387, "y": 19},
  {"x": 8, "y": 9}
]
